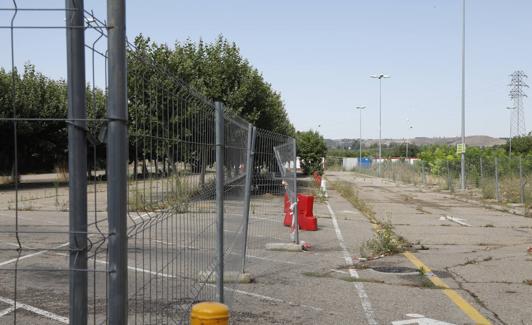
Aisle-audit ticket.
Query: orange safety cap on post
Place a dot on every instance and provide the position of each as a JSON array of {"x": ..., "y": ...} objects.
[{"x": 209, "y": 313}]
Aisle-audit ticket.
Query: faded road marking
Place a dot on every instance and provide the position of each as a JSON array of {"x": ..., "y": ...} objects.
[
  {"x": 420, "y": 320},
  {"x": 364, "y": 299},
  {"x": 459, "y": 221},
  {"x": 34, "y": 310},
  {"x": 469, "y": 310}
]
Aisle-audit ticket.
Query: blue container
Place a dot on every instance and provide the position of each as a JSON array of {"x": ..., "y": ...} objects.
[{"x": 364, "y": 162}]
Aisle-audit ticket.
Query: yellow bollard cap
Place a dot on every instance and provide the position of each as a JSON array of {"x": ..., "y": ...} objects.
[{"x": 210, "y": 311}]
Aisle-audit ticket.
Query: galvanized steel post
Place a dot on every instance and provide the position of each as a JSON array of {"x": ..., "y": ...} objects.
[
  {"x": 117, "y": 159},
  {"x": 77, "y": 161},
  {"x": 497, "y": 179},
  {"x": 252, "y": 132},
  {"x": 220, "y": 147},
  {"x": 521, "y": 183},
  {"x": 295, "y": 213}
]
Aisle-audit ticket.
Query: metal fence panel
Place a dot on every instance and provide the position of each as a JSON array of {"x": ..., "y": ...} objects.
[
  {"x": 117, "y": 216},
  {"x": 53, "y": 232},
  {"x": 494, "y": 179}
]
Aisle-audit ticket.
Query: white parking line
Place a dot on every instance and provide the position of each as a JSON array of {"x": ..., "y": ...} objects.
[
  {"x": 364, "y": 299},
  {"x": 267, "y": 298},
  {"x": 6, "y": 311},
  {"x": 163, "y": 275},
  {"x": 13, "y": 260},
  {"x": 35, "y": 310},
  {"x": 459, "y": 221}
]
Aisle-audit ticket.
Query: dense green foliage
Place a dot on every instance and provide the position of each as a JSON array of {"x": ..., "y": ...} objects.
[
  {"x": 311, "y": 149},
  {"x": 219, "y": 72},
  {"x": 521, "y": 145},
  {"x": 157, "y": 75},
  {"x": 388, "y": 151},
  {"x": 41, "y": 144}
]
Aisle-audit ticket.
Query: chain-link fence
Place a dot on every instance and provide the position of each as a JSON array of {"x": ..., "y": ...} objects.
[
  {"x": 497, "y": 179},
  {"x": 126, "y": 195}
]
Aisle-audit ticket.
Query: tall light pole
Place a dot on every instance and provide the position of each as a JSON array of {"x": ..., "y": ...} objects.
[
  {"x": 380, "y": 77},
  {"x": 462, "y": 160},
  {"x": 360, "y": 108},
  {"x": 410, "y": 127},
  {"x": 510, "y": 108}
]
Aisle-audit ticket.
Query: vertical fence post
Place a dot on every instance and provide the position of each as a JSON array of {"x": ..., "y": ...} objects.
[
  {"x": 117, "y": 159},
  {"x": 497, "y": 179},
  {"x": 295, "y": 215},
  {"x": 77, "y": 162},
  {"x": 423, "y": 177},
  {"x": 252, "y": 133},
  {"x": 220, "y": 146},
  {"x": 521, "y": 182},
  {"x": 481, "y": 171},
  {"x": 448, "y": 176}
]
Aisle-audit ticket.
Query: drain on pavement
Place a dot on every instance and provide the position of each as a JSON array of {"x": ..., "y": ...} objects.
[{"x": 395, "y": 269}]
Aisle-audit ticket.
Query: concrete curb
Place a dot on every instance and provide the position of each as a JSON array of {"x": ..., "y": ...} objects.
[
  {"x": 229, "y": 277},
  {"x": 285, "y": 247}
]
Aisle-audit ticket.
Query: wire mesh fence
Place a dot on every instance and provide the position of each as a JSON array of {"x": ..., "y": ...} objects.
[
  {"x": 171, "y": 194},
  {"x": 98, "y": 227},
  {"x": 273, "y": 193},
  {"x": 52, "y": 190},
  {"x": 498, "y": 179}
]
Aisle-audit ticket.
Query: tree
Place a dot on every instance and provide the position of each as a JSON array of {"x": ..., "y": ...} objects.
[
  {"x": 311, "y": 149},
  {"x": 522, "y": 144},
  {"x": 220, "y": 73}
]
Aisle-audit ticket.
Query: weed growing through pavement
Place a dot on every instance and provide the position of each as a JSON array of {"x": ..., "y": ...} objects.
[
  {"x": 427, "y": 284},
  {"x": 384, "y": 241}
]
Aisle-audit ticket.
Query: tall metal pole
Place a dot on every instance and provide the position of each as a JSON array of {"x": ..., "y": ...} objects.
[
  {"x": 380, "y": 77},
  {"x": 360, "y": 108},
  {"x": 462, "y": 162},
  {"x": 77, "y": 161},
  {"x": 380, "y": 126},
  {"x": 252, "y": 133},
  {"x": 294, "y": 198},
  {"x": 117, "y": 159},
  {"x": 220, "y": 146},
  {"x": 360, "y": 139}
]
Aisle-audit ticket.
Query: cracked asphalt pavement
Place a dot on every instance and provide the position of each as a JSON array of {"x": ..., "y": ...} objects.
[{"x": 479, "y": 253}]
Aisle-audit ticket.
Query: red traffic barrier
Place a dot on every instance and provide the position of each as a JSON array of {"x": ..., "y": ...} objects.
[
  {"x": 305, "y": 214},
  {"x": 317, "y": 178}
]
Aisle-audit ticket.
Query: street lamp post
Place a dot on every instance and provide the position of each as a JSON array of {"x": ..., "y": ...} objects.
[
  {"x": 360, "y": 108},
  {"x": 410, "y": 127},
  {"x": 380, "y": 77},
  {"x": 510, "y": 108},
  {"x": 462, "y": 159}
]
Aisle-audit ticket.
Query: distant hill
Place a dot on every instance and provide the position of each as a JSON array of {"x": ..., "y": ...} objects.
[{"x": 473, "y": 140}]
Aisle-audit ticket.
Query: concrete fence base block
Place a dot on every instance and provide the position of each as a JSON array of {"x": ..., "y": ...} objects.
[
  {"x": 286, "y": 247},
  {"x": 229, "y": 277}
]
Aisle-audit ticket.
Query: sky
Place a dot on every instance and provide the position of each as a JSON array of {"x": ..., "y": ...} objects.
[{"x": 319, "y": 56}]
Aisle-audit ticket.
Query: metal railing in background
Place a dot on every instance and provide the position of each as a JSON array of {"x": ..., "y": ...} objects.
[
  {"x": 496, "y": 179},
  {"x": 127, "y": 205}
]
